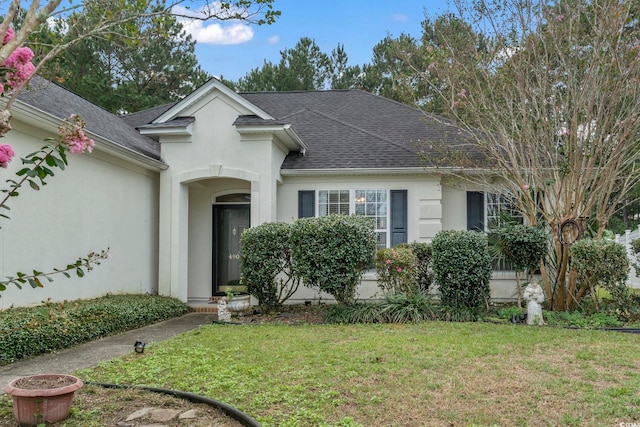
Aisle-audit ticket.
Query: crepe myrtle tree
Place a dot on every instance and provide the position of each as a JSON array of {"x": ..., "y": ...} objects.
[{"x": 548, "y": 93}]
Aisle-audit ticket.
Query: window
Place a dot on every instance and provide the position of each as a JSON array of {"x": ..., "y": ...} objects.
[
  {"x": 488, "y": 211},
  {"x": 501, "y": 210},
  {"x": 372, "y": 204}
]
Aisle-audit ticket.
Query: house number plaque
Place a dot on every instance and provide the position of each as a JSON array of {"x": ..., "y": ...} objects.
[{"x": 234, "y": 256}]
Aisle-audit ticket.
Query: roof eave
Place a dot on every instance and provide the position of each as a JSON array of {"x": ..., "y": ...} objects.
[
  {"x": 285, "y": 134},
  {"x": 49, "y": 123},
  {"x": 385, "y": 171}
]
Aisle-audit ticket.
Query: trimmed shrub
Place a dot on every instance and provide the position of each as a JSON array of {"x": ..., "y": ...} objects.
[
  {"x": 602, "y": 263},
  {"x": 266, "y": 267},
  {"x": 396, "y": 270},
  {"x": 330, "y": 253},
  {"x": 423, "y": 270},
  {"x": 523, "y": 246},
  {"x": 26, "y": 332},
  {"x": 462, "y": 270}
]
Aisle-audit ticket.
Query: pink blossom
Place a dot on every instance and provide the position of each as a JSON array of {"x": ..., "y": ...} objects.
[
  {"x": 388, "y": 261},
  {"x": 399, "y": 269},
  {"x": 19, "y": 63},
  {"x": 525, "y": 187},
  {"x": 72, "y": 135},
  {"x": 8, "y": 35},
  {"x": 21, "y": 55},
  {"x": 6, "y": 155}
]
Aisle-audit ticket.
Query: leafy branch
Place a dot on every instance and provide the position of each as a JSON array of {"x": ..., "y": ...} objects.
[
  {"x": 42, "y": 161},
  {"x": 80, "y": 268}
]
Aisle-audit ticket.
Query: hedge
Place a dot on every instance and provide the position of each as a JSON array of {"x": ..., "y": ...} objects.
[{"x": 26, "y": 332}]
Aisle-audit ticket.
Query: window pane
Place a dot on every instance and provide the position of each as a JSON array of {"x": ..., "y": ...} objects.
[{"x": 333, "y": 202}]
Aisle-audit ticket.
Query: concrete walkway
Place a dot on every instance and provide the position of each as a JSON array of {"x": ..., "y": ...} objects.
[{"x": 91, "y": 353}]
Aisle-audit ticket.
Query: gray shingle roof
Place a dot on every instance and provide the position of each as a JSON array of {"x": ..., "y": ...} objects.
[
  {"x": 61, "y": 103},
  {"x": 356, "y": 129},
  {"x": 145, "y": 117}
]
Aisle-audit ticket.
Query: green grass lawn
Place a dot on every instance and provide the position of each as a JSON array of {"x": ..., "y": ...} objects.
[{"x": 429, "y": 374}]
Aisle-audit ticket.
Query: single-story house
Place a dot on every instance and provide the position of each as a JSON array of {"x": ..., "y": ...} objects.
[{"x": 169, "y": 190}]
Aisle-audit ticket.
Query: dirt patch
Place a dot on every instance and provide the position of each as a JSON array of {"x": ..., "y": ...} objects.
[{"x": 290, "y": 315}]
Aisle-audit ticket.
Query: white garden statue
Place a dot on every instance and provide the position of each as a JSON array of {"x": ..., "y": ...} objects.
[{"x": 534, "y": 295}]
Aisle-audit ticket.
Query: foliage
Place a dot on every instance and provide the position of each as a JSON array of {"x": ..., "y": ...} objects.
[
  {"x": 601, "y": 263},
  {"x": 331, "y": 252},
  {"x": 141, "y": 64},
  {"x": 542, "y": 88},
  {"x": 462, "y": 269},
  {"x": 305, "y": 67},
  {"x": 523, "y": 245},
  {"x": 80, "y": 268},
  {"x": 508, "y": 312},
  {"x": 409, "y": 307},
  {"x": 266, "y": 266},
  {"x": 397, "y": 307},
  {"x": 396, "y": 270},
  {"x": 26, "y": 332},
  {"x": 419, "y": 71},
  {"x": 580, "y": 320},
  {"x": 423, "y": 269},
  {"x": 105, "y": 19}
]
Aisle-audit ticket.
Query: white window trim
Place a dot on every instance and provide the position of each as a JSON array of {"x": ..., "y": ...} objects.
[{"x": 352, "y": 207}]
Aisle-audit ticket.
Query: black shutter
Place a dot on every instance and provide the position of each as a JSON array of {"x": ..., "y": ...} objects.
[
  {"x": 306, "y": 204},
  {"x": 398, "y": 217},
  {"x": 475, "y": 211}
]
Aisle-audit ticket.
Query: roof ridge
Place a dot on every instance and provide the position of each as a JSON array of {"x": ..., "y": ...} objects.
[{"x": 437, "y": 117}]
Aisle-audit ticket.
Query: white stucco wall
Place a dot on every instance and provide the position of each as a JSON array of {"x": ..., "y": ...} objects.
[
  {"x": 99, "y": 201},
  {"x": 454, "y": 208}
]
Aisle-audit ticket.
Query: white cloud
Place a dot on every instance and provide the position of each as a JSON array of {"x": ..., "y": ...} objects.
[
  {"x": 399, "y": 17},
  {"x": 213, "y": 33},
  {"x": 219, "y": 34},
  {"x": 273, "y": 40}
]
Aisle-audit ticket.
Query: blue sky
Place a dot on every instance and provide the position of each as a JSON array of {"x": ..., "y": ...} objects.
[{"x": 232, "y": 49}]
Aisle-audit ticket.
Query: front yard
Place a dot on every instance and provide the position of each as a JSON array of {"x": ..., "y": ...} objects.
[{"x": 428, "y": 374}]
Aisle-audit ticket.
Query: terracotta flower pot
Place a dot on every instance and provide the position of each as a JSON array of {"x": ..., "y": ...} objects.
[{"x": 39, "y": 399}]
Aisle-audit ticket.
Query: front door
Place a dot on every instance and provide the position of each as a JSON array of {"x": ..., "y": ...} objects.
[{"x": 228, "y": 224}]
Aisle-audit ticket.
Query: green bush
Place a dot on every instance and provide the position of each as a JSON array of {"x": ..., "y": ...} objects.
[
  {"x": 330, "y": 253},
  {"x": 423, "y": 270},
  {"x": 396, "y": 270},
  {"x": 266, "y": 266},
  {"x": 602, "y": 263},
  {"x": 26, "y": 332},
  {"x": 410, "y": 307},
  {"x": 462, "y": 270},
  {"x": 523, "y": 245}
]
